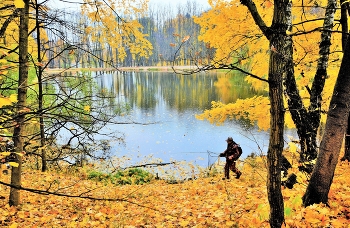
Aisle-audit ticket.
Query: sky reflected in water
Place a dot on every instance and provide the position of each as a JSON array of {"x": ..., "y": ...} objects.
[{"x": 166, "y": 104}]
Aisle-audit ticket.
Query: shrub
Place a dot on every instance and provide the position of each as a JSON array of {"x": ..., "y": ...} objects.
[{"x": 123, "y": 177}]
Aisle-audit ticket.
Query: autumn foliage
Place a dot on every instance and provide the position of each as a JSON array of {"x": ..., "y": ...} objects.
[
  {"x": 245, "y": 46},
  {"x": 203, "y": 202}
]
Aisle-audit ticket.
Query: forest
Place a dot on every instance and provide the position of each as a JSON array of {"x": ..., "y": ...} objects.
[{"x": 298, "y": 51}]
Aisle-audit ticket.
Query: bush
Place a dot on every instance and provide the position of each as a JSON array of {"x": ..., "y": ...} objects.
[{"x": 123, "y": 177}]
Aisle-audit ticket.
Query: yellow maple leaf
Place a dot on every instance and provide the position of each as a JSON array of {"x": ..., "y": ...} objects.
[
  {"x": 21, "y": 154},
  {"x": 5, "y": 153},
  {"x": 19, "y": 4},
  {"x": 4, "y": 101},
  {"x": 4, "y": 72},
  {"x": 229, "y": 223},
  {"x": 184, "y": 223},
  {"x": 14, "y": 225},
  {"x": 14, "y": 164},
  {"x": 87, "y": 108}
]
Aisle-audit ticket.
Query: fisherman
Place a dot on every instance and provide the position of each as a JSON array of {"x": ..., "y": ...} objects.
[{"x": 232, "y": 153}]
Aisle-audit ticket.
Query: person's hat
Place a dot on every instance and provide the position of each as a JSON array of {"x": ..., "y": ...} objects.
[{"x": 229, "y": 139}]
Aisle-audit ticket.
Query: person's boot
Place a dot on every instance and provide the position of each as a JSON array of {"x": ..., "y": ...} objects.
[{"x": 238, "y": 175}]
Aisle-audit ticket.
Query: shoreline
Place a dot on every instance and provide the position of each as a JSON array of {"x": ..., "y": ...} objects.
[{"x": 137, "y": 68}]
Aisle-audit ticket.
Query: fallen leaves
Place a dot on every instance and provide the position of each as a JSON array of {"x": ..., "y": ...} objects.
[{"x": 205, "y": 202}]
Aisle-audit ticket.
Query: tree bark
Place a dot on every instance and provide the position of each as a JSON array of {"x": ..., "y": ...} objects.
[
  {"x": 345, "y": 29},
  {"x": 337, "y": 119},
  {"x": 40, "y": 90},
  {"x": 280, "y": 65},
  {"x": 347, "y": 143},
  {"x": 275, "y": 149},
  {"x": 14, "y": 198},
  {"x": 307, "y": 121}
]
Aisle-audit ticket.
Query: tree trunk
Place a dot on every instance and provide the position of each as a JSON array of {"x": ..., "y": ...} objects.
[
  {"x": 347, "y": 143},
  {"x": 40, "y": 91},
  {"x": 345, "y": 28},
  {"x": 337, "y": 119},
  {"x": 21, "y": 97},
  {"x": 307, "y": 121},
  {"x": 280, "y": 67},
  {"x": 274, "y": 152}
]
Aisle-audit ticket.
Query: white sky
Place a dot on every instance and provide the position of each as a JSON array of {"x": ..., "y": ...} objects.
[
  {"x": 177, "y": 2},
  {"x": 203, "y": 3}
]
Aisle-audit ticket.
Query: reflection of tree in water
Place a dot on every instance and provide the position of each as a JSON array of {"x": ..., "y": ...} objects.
[
  {"x": 181, "y": 92},
  {"x": 231, "y": 87}
]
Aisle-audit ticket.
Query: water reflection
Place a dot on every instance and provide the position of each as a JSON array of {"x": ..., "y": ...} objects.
[
  {"x": 170, "y": 102},
  {"x": 181, "y": 92}
]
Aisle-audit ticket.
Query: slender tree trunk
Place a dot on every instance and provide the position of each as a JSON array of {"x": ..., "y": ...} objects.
[
  {"x": 274, "y": 152},
  {"x": 280, "y": 68},
  {"x": 21, "y": 97},
  {"x": 40, "y": 92},
  {"x": 281, "y": 65},
  {"x": 337, "y": 119}
]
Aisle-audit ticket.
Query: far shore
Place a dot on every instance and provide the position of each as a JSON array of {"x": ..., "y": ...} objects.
[{"x": 138, "y": 68}]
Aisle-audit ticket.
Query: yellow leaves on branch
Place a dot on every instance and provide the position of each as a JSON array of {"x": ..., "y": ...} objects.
[
  {"x": 255, "y": 109},
  {"x": 230, "y": 29},
  {"x": 119, "y": 33},
  {"x": 8, "y": 100}
]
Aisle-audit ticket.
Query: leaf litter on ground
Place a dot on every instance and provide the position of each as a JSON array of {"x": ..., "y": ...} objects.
[{"x": 203, "y": 202}]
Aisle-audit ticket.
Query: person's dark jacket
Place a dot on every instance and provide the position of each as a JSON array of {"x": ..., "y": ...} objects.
[{"x": 231, "y": 153}]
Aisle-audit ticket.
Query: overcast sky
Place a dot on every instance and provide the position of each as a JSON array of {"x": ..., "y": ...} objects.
[
  {"x": 203, "y": 3},
  {"x": 176, "y": 2}
]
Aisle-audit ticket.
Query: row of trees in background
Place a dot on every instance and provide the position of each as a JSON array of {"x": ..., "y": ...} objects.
[{"x": 157, "y": 32}]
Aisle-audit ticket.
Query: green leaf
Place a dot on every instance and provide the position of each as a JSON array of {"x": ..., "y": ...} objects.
[{"x": 288, "y": 211}]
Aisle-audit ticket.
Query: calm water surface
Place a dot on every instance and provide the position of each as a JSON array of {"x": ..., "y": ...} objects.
[{"x": 166, "y": 104}]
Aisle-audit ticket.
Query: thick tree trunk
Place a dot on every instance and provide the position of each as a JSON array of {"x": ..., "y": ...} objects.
[
  {"x": 337, "y": 119},
  {"x": 345, "y": 29},
  {"x": 21, "y": 97}
]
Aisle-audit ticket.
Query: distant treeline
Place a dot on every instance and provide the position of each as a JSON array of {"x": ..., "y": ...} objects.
[{"x": 165, "y": 28}]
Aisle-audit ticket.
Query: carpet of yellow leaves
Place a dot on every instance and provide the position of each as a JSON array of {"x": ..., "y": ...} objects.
[{"x": 204, "y": 202}]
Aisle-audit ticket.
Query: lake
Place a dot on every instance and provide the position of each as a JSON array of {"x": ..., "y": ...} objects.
[{"x": 164, "y": 105}]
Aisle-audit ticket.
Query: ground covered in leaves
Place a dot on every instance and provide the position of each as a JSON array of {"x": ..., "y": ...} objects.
[{"x": 203, "y": 202}]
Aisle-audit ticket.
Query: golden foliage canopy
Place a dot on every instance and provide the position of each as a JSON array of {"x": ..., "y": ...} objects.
[{"x": 231, "y": 30}]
